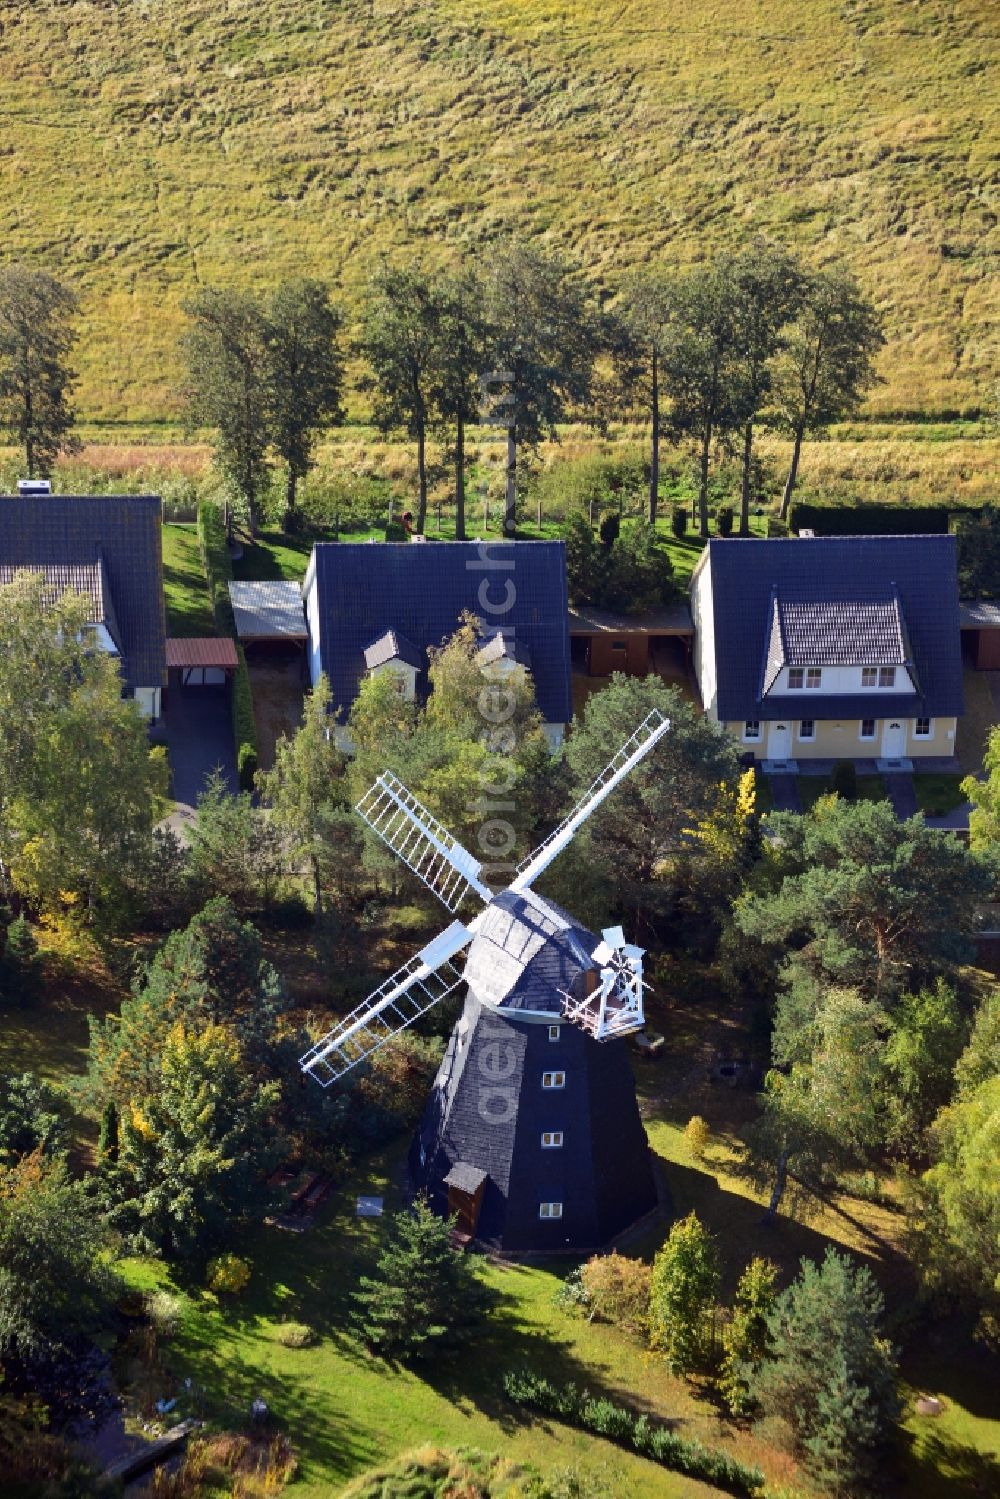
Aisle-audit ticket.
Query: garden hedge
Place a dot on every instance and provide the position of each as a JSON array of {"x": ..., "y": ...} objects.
[
  {"x": 218, "y": 575},
  {"x": 618, "y": 1424},
  {"x": 868, "y": 520}
]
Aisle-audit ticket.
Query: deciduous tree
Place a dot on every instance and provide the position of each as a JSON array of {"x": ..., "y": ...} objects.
[
  {"x": 546, "y": 337},
  {"x": 305, "y": 374},
  {"x": 461, "y": 357},
  {"x": 229, "y": 387},
  {"x": 37, "y": 334},
  {"x": 641, "y": 324},
  {"x": 828, "y": 364},
  {"x": 400, "y": 341},
  {"x": 682, "y": 1303},
  {"x": 746, "y": 1341}
]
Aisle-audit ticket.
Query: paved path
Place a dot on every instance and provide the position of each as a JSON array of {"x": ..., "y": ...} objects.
[
  {"x": 199, "y": 739},
  {"x": 785, "y": 793},
  {"x": 901, "y": 792}
]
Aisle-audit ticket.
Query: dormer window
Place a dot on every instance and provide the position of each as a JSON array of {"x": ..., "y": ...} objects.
[
  {"x": 869, "y": 676},
  {"x": 887, "y": 676},
  {"x": 804, "y": 676},
  {"x": 796, "y": 677}
]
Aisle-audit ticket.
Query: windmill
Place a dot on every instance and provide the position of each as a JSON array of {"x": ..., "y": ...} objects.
[{"x": 532, "y": 1133}]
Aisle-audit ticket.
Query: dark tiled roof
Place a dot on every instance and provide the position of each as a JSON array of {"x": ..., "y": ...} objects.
[
  {"x": 835, "y": 575},
  {"x": 391, "y": 646},
  {"x": 365, "y": 589},
  {"x": 504, "y": 647},
  {"x": 121, "y": 535}
]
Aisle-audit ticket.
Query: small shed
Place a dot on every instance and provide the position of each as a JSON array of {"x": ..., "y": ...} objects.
[
  {"x": 604, "y": 641},
  {"x": 466, "y": 1185},
  {"x": 268, "y": 612},
  {"x": 979, "y": 622},
  {"x": 202, "y": 661}
]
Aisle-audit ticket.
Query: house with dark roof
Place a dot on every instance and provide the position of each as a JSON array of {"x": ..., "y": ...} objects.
[
  {"x": 378, "y": 608},
  {"x": 108, "y": 548},
  {"x": 834, "y": 647}
]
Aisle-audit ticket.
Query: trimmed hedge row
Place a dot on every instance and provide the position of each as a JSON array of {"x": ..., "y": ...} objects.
[
  {"x": 218, "y": 567},
  {"x": 868, "y": 520},
  {"x": 619, "y": 1424}
]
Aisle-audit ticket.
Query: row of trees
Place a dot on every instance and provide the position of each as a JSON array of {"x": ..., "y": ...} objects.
[{"x": 517, "y": 340}]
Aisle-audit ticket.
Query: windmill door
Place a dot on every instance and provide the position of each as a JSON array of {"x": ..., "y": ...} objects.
[{"x": 465, "y": 1207}]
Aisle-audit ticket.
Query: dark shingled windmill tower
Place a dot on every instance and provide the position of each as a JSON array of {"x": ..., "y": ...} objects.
[{"x": 532, "y": 1135}]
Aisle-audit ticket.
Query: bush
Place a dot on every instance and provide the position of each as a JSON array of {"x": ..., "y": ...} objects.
[
  {"x": 621, "y": 1425},
  {"x": 776, "y": 527},
  {"x": 844, "y": 780},
  {"x": 868, "y": 520},
  {"x": 609, "y": 527},
  {"x": 165, "y": 1311},
  {"x": 20, "y": 970},
  {"x": 395, "y": 532},
  {"x": 228, "y": 1275},
  {"x": 617, "y": 1291},
  {"x": 724, "y": 520},
  {"x": 697, "y": 1134},
  {"x": 679, "y": 521},
  {"x": 296, "y": 1335}
]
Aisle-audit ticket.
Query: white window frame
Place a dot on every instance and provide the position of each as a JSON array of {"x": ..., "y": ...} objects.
[
  {"x": 887, "y": 676},
  {"x": 552, "y": 1139},
  {"x": 872, "y": 673},
  {"x": 554, "y": 1032},
  {"x": 808, "y": 738},
  {"x": 796, "y": 678},
  {"x": 550, "y": 1209},
  {"x": 919, "y": 733},
  {"x": 861, "y": 728},
  {"x": 751, "y": 731},
  {"x": 554, "y": 1079},
  {"x": 814, "y": 678}
]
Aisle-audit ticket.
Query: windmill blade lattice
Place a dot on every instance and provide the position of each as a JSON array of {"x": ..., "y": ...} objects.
[
  {"x": 410, "y": 992},
  {"x": 638, "y": 745},
  {"x": 424, "y": 844}
]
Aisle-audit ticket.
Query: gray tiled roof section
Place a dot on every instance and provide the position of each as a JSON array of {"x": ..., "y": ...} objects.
[
  {"x": 465, "y": 1177},
  {"x": 269, "y": 610},
  {"x": 120, "y": 534},
  {"x": 504, "y": 647},
  {"x": 525, "y": 951},
  {"x": 919, "y": 571},
  {"x": 851, "y": 631},
  {"x": 391, "y": 646}
]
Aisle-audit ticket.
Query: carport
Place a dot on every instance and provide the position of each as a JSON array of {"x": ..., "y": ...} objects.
[
  {"x": 602, "y": 641},
  {"x": 269, "y": 613},
  {"x": 201, "y": 661}
]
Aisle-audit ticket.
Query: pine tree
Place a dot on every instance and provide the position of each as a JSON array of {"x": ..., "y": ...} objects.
[
  {"x": 107, "y": 1140},
  {"x": 831, "y": 1373},
  {"x": 682, "y": 1303},
  {"x": 425, "y": 1297},
  {"x": 20, "y": 975},
  {"x": 746, "y": 1341}
]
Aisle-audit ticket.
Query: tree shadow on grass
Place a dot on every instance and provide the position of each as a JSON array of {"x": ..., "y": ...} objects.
[{"x": 956, "y": 1468}]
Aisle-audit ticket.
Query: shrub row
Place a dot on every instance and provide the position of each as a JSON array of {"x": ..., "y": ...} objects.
[
  {"x": 619, "y": 1424},
  {"x": 218, "y": 574},
  {"x": 868, "y": 520}
]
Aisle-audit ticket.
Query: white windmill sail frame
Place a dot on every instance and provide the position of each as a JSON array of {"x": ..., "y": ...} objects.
[
  {"x": 423, "y": 843},
  {"x": 635, "y": 748}
]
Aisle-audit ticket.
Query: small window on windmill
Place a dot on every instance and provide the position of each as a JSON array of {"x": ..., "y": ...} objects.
[
  {"x": 554, "y": 1032},
  {"x": 552, "y": 1139},
  {"x": 553, "y": 1079},
  {"x": 550, "y": 1210}
]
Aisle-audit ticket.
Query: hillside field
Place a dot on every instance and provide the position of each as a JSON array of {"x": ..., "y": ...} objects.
[{"x": 149, "y": 147}]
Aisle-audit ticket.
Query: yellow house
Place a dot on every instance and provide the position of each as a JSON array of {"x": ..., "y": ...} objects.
[{"x": 838, "y": 648}]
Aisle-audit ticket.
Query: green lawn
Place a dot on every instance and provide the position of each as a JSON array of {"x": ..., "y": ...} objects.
[
  {"x": 188, "y": 609},
  {"x": 938, "y": 794},
  {"x": 345, "y": 1410}
]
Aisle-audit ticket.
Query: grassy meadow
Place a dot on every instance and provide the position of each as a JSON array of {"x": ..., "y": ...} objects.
[{"x": 150, "y": 148}]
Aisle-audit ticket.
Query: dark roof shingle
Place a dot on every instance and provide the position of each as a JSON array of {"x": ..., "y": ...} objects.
[
  {"x": 849, "y": 597},
  {"x": 419, "y": 592},
  {"x": 121, "y": 536}
]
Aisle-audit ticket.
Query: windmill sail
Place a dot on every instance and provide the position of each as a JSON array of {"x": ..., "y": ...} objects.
[
  {"x": 635, "y": 748},
  {"x": 406, "y": 995},
  {"x": 424, "y": 844}
]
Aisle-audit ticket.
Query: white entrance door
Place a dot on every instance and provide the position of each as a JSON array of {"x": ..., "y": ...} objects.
[
  {"x": 893, "y": 739},
  {"x": 779, "y": 741}
]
